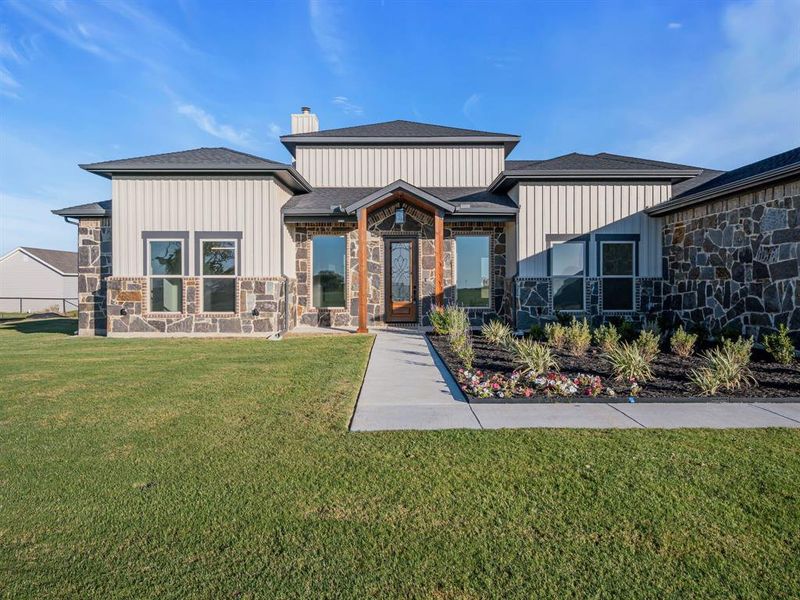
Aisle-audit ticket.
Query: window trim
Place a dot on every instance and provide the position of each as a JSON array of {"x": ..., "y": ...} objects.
[
  {"x": 619, "y": 238},
  {"x": 551, "y": 239},
  {"x": 346, "y": 294},
  {"x": 154, "y": 237},
  {"x": 218, "y": 237},
  {"x": 490, "y": 239}
]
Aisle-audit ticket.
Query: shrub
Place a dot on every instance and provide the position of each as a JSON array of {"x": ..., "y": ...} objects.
[
  {"x": 706, "y": 380},
  {"x": 498, "y": 333},
  {"x": 648, "y": 343},
  {"x": 701, "y": 331},
  {"x": 564, "y": 319},
  {"x": 438, "y": 318},
  {"x": 606, "y": 337},
  {"x": 578, "y": 337},
  {"x": 627, "y": 332},
  {"x": 556, "y": 335},
  {"x": 726, "y": 367},
  {"x": 536, "y": 333},
  {"x": 780, "y": 346},
  {"x": 651, "y": 326},
  {"x": 629, "y": 363},
  {"x": 460, "y": 334},
  {"x": 682, "y": 343},
  {"x": 532, "y": 357}
]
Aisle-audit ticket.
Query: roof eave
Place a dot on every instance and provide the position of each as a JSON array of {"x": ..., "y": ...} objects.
[
  {"x": 507, "y": 179},
  {"x": 291, "y": 178},
  {"x": 290, "y": 142},
  {"x": 723, "y": 190}
]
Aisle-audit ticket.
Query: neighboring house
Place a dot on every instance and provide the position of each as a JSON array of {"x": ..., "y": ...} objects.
[
  {"x": 376, "y": 224},
  {"x": 38, "y": 279}
]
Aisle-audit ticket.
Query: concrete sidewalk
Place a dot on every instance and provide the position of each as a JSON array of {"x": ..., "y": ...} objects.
[{"x": 407, "y": 387}]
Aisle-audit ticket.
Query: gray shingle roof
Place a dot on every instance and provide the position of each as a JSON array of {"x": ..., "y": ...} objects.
[
  {"x": 197, "y": 159},
  {"x": 602, "y": 161},
  {"x": 324, "y": 201},
  {"x": 759, "y": 173},
  {"x": 690, "y": 184},
  {"x": 91, "y": 209},
  {"x": 397, "y": 128},
  {"x": 202, "y": 160},
  {"x": 66, "y": 262}
]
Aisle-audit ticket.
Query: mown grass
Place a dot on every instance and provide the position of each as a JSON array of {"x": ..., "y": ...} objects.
[{"x": 224, "y": 469}]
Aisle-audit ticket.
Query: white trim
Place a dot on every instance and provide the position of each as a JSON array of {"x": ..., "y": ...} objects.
[
  {"x": 39, "y": 260},
  {"x": 632, "y": 276}
]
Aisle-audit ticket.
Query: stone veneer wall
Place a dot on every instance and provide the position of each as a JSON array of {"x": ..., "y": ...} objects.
[
  {"x": 535, "y": 301},
  {"x": 380, "y": 225},
  {"x": 94, "y": 267},
  {"x": 734, "y": 262},
  {"x": 128, "y": 309}
]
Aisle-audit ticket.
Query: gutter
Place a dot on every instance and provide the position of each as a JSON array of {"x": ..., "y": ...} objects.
[{"x": 724, "y": 190}]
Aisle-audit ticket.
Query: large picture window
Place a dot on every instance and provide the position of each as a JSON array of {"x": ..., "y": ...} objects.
[
  {"x": 328, "y": 265},
  {"x": 219, "y": 275},
  {"x": 617, "y": 268},
  {"x": 567, "y": 271},
  {"x": 472, "y": 271},
  {"x": 165, "y": 271}
]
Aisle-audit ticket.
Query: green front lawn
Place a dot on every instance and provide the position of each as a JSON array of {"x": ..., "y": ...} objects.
[{"x": 223, "y": 469}]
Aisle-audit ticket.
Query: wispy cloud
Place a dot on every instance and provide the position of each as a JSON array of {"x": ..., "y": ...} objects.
[
  {"x": 471, "y": 105},
  {"x": 346, "y": 106},
  {"x": 326, "y": 25},
  {"x": 752, "y": 109},
  {"x": 674, "y": 25},
  {"x": 274, "y": 131},
  {"x": 8, "y": 85},
  {"x": 208, "y": 123}
]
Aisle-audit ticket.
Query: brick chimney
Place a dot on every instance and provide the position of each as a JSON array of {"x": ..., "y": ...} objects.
[{"x": 305, "y": 122}]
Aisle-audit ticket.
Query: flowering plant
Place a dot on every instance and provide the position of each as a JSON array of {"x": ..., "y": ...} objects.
[{"x": 481, "y": 385}]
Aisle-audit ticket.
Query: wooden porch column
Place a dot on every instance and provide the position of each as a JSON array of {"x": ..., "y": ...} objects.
[
  {"x": 438, "y": 237},
  {"x": 363, "y": 289}
]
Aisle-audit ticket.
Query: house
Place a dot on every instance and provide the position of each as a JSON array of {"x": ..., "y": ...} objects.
[
  {"x": 376, "y": 224},
  {"x": 38, "y": 279}
]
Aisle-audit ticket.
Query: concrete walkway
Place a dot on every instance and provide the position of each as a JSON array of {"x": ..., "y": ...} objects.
[{"x": 407, "y": 387}]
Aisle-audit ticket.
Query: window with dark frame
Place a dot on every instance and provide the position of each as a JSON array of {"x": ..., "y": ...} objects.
[
  {"x": 618, "y": 269},
  {"x": 328, "y": 271},
  {"x": 472, "y": 271},
  {"x": 567, "y": 273},
  {"x": 165, "y": 273},
  {"x": 219, "y": 275}
]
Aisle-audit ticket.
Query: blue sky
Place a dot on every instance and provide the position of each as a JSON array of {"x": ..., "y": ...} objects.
[{"x": 711, "y": 84}]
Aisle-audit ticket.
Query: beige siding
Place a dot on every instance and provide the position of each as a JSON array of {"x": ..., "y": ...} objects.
[
  {"x": 581, "y": 208},
  {"x": 251, "y": 205},
  {"x": 429, "y": 166},
  {"x": 23, "y": 276}
]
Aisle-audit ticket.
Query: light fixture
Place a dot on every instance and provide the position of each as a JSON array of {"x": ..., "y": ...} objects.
[{"x": 399, "y": 215}]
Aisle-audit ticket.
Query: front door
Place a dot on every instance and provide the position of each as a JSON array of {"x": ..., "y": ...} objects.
[{"x": 401, "y": 280}]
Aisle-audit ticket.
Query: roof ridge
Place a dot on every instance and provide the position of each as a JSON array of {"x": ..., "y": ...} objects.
[
  {"x": 396, "y": 121},
  {"x": 188, "y": 150}
]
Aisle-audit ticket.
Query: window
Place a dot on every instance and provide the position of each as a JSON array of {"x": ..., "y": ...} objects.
[
  {"x": 219, "y": 275},
  {"x": 617, "y": 268},
  {"x": 328, "y": 264},
  {"x": 472, "y": 271},
  {"x": 165, "y": 269},
  {"x": 567, "y": 270}
]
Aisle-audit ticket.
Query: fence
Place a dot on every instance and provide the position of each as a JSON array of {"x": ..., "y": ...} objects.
[{"x": 26, "y": 304}]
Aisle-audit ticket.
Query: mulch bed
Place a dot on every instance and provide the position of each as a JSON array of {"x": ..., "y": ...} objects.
[{"x": 775, "y": 381}]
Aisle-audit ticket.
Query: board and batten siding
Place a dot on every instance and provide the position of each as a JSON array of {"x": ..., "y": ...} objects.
[
  {"x": 24, "y": 277},
  {"x": 251, "y": 205},
  {"x": 588, "y": 208},
  {"x": 423, "y": 166}
]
